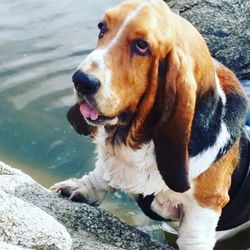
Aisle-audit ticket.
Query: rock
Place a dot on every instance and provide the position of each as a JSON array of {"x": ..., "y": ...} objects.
[
  {"x": 26, "y": 225},
  {"x": 225, "y": 26},
  {"x": 7, "y": 246},
  {"x": 89, "y": 227}
]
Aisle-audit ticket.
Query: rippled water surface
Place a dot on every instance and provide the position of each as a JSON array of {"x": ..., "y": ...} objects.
[{"x": 41, "y": 43}]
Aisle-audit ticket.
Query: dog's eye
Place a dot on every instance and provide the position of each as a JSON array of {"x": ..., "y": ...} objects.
[
  {"x": 141, "y": 47},
  {"x": 103, "y": 28}
]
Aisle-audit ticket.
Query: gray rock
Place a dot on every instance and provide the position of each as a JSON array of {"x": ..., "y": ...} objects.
[
  {"x": 26, "y": 225},
  {"x": 7, "y": 246},
  {"x": 89, "y": 227},
  {"x": 225, "y": 26}
]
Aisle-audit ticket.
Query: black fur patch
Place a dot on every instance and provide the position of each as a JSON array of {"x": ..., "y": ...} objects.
[
  {"x": 145, "y": 204},
  {"x": 234, "y": 118},
  {"x": 206, "y": 123}
]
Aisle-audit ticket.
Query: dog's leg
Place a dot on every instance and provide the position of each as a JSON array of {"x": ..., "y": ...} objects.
[
  {"x": 91, "y": 188},
  {"x": 197, "y": 229}
]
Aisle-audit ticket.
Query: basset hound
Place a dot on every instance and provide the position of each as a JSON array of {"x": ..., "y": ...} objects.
[{"x": 168, "y": 123}]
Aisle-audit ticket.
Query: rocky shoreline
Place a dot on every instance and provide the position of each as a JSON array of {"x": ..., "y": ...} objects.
[
  {"x": 31, "y": 217},
  {"x": 225, "y": 27}
]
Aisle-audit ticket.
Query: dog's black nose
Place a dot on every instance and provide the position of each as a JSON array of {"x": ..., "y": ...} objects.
[{"x": 84, "y": 83}]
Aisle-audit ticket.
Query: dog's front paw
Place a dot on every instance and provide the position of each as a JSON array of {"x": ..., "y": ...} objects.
[
  {"x": 79, "y": 190},
  {"x": 195, "y": 243},
  {"x": 70, "y": 188},
  {"x": 66, "y": 188},
  {"x": 196, "y": 247}
]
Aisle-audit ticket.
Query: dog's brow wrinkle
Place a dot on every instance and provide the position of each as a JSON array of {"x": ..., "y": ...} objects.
[
  {"x": 130, "y": 17},
  {"x": 98, "y": 55}
]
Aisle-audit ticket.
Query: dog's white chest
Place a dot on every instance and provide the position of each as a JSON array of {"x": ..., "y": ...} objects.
[{"x": 134, "y": 171}]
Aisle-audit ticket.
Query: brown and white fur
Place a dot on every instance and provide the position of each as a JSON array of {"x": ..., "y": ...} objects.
[{"x": 168, "y": 123}]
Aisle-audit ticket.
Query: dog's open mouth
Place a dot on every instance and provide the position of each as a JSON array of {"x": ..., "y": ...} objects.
[{"x": 92, "y": 115}]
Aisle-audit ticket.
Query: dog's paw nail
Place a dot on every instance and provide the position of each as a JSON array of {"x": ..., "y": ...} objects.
[{"x": 55, "y": 188}]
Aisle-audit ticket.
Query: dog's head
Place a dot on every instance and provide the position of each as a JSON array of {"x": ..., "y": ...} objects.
[
  {"x": 113, "y": 79},
  {"x": 150, "y": 63}
]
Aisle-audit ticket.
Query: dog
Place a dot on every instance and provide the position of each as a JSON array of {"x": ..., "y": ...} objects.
[{"x": 168, "y": 123}]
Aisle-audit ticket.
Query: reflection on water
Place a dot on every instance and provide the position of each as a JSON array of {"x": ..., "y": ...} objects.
[
  {"x": 41, "y": 43},
  {"x": 40, "y": 48}
]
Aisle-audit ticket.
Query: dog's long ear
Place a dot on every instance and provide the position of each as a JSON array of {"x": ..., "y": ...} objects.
[
  {"x": 175, "y": 107},
  {"x": 78, "y": 122}
]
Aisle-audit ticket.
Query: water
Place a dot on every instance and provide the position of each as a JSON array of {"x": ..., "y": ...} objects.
[{"x": 41, "y": 43}]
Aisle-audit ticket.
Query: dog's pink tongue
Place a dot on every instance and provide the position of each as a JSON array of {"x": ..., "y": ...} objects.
[{"x": 88, "y": 111}]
